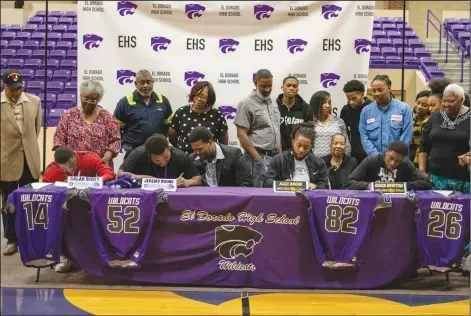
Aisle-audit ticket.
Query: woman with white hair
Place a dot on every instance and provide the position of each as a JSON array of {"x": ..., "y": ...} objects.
[
  {"x": 89, "y": 127},
  {"x": 445, "y": 138}
]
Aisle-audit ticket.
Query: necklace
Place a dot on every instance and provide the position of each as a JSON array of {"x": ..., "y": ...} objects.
[{"x": 448, "y": 123}]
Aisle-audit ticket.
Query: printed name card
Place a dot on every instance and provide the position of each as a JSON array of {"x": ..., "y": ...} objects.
[
  {"x": 390, "y": 188},
  {"x": 169, "y": 185},
  {"x": 289, "y": 186},
  {"x": 85, "y": 182}
]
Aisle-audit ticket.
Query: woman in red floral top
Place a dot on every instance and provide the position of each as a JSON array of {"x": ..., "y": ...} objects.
[{"x": 89, "y": 128}]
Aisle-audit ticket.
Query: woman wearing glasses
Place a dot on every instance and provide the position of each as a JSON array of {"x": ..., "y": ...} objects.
[
  {"x": 199, "y": 112},
  {"x": 89, "y": 127}
]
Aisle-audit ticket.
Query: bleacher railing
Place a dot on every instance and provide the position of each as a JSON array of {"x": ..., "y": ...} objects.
[
  {"x": 451, "y": 42},
  {"x": 437, "y": 28}
]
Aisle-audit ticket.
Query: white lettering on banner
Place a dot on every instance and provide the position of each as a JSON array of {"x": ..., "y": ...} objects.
[
  {"x": 123, "y": 201},
  {"x": 236, "y": 266},
  {"x": 245, "y": 217},
  {"x": 446, "y": 206},
  {"x": 45, "y": 198}
]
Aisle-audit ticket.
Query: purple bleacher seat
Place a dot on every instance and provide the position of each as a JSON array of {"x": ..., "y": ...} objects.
[
  {"x": 59, "y": 28},
  {"x": 36, "y": 20},
  {"x": 377, "y": 27},
  {"x": 3, "y": 63},
  {"x": 42, "y": 28},
  {"x": 56, "y": 14},
  {"x": 54, "y": 116},
  {"x": 66, "y": 21},
  {"x": 16, "y": 44},
  {"x": 57, "y": 54},
  {"x": 397, "y": 43},
  {"x": 464, "y": 21},
  {"x": 400, "y": 26},
  {"x": 421, "y": 52},
  {"x": 71, "y": 55},
  {"x": 15, "y": 63},
  {"x": 61, "y": 75},
  {"x": 410, "y": 34},
  {"x": 54, "y": 36},
  {"x": 70, "y": 14},
  {"x": 24, "y": 53},
  {"x": 416, "y": 43},
  {"x": 74, "y": 45},
  {"x": 8, "y": 53},
  {"x": 52, "y": 20},
  {"x": 397, "y": 19},
  {"x": 74, "y": 75},
  {"x": 428, "y": 62},
  {"x": 40, "y": 13},
  {"x": 384, "y": 42},
  {"x": 411, "y": 62},
  {"x": 38, "y": 36},
  {"x": 467, "y": 27},
  {"x": 39, "y": 54},
  {"x": 50, "y": 45},
  {"x": 407, "y": 52},
  {"x": 30, "y": 28},
  {"x": 375, "y": 51},
  {"x": 386, "y": 19},
  {"x": 4, "y": 27},
  {"x": 75, "y": 20},
  {"x": 72, "y": 29},
  {"x": 393, "y": 61},
  {"x": 3, "y": 44},
  {"x": 56, "y": 87},
  {"x": 394, "y": 34},
  {"x": 64, "y": 45},
  {"x": 8, "y": 35},
  {"x": 51, "y": 100},
  {"x": 373, "y": 42},
  {"x": 66, "y": 101},
  {"x": 28, "y": 74},
  {"x": 41, "y": 74},
  {"x": 71, "y": 87},
  {"x": 52, "y": 64},
  {"x": 379, "y": 34},
  {"x": 455, "y": 29},
  {"x": 33, "y": 64},
  {"x": 389, "y": 27},
  {"x": 68, "y": 65},
  {"x": 389, "y": 51},
  {"x": 33, "y": 45},
  {"x": 462, "y": 38},
  {"x": 23, "y": 36},
  {"x": 15, "y": 28},
  {"x": 70, "y": 37}
]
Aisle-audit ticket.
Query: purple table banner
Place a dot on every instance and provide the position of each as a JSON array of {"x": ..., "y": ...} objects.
[{"x": 248, "y": 237}]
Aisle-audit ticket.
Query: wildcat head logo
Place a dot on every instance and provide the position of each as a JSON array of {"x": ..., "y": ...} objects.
[
  {"x": 159, "y": 43},
  {"x": 126, "y": 8},
  {"x": 227, "y": 45},
  {"x": 329, "y": 79},
  {"x": 362, "y": 46},
  {"x": 91, "y": 41},
  {"x": 233, "y": 241},
  {"x": 227, "y": 111},
  {"x": 125, "y": 76},
  {"x": 262, "y": 11},
  {"x": 296, "y": 45},
  {"x": 194, "y": 10},
  {"x": 193, "y": 77},
  {"x": 330, "y": 11}
]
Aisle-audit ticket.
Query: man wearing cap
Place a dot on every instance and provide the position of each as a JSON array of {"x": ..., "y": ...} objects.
[{"x": 20, "y": 116}]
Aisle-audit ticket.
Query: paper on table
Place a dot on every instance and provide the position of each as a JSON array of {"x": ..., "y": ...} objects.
[
  {"x": 60, "y": 184},
  {"x": 39, "y": 185}
]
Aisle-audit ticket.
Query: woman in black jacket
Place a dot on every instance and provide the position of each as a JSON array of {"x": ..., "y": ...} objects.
[
  {"x": 299, "y": 164},
  {"x": 338, "y": 163}
]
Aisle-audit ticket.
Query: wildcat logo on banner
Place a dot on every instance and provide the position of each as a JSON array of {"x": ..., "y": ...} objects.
[{"x": 224, "y": 42}]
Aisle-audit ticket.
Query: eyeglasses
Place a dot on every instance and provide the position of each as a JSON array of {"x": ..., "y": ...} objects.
[{"x": 201, "y": 97}]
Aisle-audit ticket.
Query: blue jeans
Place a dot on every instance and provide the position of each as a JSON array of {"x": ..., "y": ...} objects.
[{"x": 259, "y": 169}]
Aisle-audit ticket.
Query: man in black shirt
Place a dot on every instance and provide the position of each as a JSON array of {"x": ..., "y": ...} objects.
[
  {"x": 354, "y": 91},
  {"x": 156, "y": 159},
  {"x": 391, "y": 166},
  {"x": 219, "y": 165},
  {"x": 293, "y": 110}
]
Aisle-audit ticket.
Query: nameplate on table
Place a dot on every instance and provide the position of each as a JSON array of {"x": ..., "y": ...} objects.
[
  {"x": 169, "y": 185},
  {"x": 289, "y": 186},
  {"x": 85, "y": 182},
  {"x": 390, "y": 187}
]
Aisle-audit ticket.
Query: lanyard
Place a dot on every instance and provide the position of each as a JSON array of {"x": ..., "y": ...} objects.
[{"x": 157, "y": 174}]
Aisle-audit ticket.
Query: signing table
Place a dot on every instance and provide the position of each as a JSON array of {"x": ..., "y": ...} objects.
[{"x": 186, "y": 245}]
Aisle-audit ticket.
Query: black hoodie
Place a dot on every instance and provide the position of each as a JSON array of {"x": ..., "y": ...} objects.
[
  {"x": 300, "y": 112},
  {"x": 351, "y": 117}
]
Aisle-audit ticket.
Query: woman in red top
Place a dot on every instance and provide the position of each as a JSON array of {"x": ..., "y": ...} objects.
[{"x": 89, "y": 127}]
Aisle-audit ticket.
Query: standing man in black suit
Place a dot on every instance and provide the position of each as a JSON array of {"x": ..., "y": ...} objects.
[{"x": 219, "y": 165}]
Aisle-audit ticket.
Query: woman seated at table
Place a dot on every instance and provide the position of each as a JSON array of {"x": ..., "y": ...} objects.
[
  {"x": 299, "y": 164},
  {"x": 338, "y": 163}
]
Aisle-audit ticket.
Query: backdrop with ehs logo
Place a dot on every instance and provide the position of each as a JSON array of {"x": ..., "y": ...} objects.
[{"x": 323, "y": 44}]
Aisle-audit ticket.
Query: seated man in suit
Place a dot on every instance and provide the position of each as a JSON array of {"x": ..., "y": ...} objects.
[
  {"x": 76, "y": 163},
  {"x": 157, "y": 159},
  {"x": 219, "y": 165},
  {"x": 390, "y": 166}
]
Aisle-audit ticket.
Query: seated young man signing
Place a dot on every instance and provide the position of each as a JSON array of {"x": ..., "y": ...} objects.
[
  {"x": 76, "y": 163},
  {"x": 391, "y": 166},
  {"x": 156, "y": 159}
]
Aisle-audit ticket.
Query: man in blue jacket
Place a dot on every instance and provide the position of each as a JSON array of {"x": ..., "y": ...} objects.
[{"x": 384, "y": 120}]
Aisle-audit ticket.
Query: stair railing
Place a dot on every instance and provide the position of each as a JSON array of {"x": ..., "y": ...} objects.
[
  {"x": 449, "y": 43},
  {"x": 437, "y": 28}
]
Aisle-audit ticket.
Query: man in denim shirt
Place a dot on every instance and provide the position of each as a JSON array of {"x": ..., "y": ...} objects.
[{"x": 384, "y": 120}]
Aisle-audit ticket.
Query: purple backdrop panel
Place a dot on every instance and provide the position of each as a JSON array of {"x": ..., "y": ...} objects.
[{"x": 245, "y": 237}]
